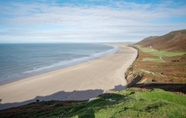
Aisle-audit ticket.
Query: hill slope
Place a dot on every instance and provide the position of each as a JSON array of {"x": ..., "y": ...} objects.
[{"x": 173, "y": 41}]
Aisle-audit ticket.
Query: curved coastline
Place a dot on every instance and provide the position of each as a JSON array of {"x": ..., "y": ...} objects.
[
  {"x": 58, "y": 64},
  {"x": 82, "y": 81}
]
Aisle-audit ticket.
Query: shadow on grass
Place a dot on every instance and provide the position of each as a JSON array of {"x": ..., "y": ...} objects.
[
  {"x": 88, "y": 109},
  {"x": 89, "y": 114}
]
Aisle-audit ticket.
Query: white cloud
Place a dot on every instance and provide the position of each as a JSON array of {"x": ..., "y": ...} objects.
[{"x": 124, "y": 22}]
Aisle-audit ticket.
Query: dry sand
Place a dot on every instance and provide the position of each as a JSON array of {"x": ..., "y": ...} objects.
[{"x": 77, "y": 82}]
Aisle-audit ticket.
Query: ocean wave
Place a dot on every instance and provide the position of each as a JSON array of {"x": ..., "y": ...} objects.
[{"x": 67, "y": 63}]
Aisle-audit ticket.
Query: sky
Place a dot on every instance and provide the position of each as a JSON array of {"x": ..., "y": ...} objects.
[{"x": 56, "y": 21}]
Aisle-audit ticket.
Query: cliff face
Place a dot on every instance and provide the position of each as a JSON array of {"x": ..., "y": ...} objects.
[{"x": 173, "y": 41}]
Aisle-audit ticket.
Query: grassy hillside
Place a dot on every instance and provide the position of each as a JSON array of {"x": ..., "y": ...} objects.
[
  {"x": 159, "y": 66},
  {"x": 173, "y": 41},
  {"x": 161, "y": 59},
  {"x": 130, "y": 103}
]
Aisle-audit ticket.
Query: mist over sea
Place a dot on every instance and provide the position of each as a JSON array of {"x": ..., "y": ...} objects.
[{"x": 18, "y": 61}]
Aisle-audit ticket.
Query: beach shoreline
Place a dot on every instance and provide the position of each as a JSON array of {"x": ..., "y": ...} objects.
[
  {"x": 79, "y": 82},
  {"x": 21, "y": 67}
]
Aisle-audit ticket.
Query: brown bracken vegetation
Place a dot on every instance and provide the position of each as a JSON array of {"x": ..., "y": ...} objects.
[
  {"x": 173, "y": 70},
  {"x": 170, "y": 70}
]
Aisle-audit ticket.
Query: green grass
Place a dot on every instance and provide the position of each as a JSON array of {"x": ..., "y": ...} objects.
[
  {"x": 167, "y": 54},
  {"x": 152, "y": 59},
  {"x": 162, "y": 95},
  {"x": 158, "y": 52},
  {"x": 132, "y": 103},
  {"x": 129, "y": 103},
  {"x": 146, "y": 49}
]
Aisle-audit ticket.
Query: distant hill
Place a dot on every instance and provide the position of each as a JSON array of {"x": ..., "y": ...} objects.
[{"x": 173, "y": 41}]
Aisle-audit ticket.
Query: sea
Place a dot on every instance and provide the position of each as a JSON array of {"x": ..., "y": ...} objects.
[{"x": 19, "y": 61}]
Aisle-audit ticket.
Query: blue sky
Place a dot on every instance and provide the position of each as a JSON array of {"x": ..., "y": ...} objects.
[{"x": 88, "y": 20}]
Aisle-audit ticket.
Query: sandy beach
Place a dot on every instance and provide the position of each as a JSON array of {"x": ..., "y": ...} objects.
[{"x": 77, "y": 82}]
